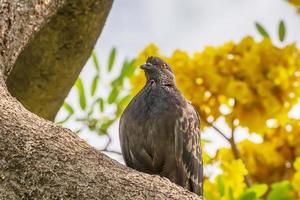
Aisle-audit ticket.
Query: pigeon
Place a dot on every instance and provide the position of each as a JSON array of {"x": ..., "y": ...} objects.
[{"x": 159, "y": 130}]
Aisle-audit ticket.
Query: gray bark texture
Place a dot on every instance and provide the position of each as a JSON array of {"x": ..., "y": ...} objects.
[
  {"x": 39, "y": 159},
  {"x": 47, "y": 68}
]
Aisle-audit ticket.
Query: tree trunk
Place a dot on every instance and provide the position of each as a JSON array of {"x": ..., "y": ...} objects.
[
  {"x": 42, "y": 160},
  {"x": 47, "y": 68}
]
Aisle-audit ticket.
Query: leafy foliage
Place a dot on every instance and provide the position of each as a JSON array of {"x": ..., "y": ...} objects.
[
  {"x": 261, "y": 30},
  {"x": 281, "y": 30},
  {"x": 112, "y": 58},
  {"x": 99, "y": 110},
  {"x": 81, "y": 94},
  {"x": 280, "y": 191}
]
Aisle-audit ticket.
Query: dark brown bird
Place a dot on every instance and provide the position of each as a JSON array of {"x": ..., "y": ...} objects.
[{"x": 159, "y": 130}]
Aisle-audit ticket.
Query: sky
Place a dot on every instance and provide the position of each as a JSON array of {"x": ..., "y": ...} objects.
[
  {"x": 188, "y": 25},
  {"x": 192, "y": 24}
]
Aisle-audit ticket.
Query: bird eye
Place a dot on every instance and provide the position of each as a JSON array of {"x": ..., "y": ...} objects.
[{"x": 164, "y": 66}]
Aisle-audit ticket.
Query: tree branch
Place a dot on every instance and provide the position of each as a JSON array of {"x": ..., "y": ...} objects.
[
  {"x": 213, "y": 126},
  {"x": 19, "y": 21},
  {"x": 231, "y": 141},
  {"x": 112, "y": 151},
  {"x": 237, "y": 154},
  {"x": 105, "y": 149},
  {"x": 42, "y": 160},
  {"x": 47, "y": 68}
]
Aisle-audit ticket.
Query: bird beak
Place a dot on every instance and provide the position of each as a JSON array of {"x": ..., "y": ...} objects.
[{"x": 147, "y": 66}]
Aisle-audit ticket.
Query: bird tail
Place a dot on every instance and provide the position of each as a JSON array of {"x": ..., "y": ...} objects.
[{"x": 196, "y": 188}]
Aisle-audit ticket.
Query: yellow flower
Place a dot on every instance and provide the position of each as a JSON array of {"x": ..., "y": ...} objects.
[
  {"x": 297, "y": 164},
  {"x": 239, "y": 90},
  {"x": 296, "y": 177},
  {"x": 261, "y": 80},
  {"x": 279, "y": 76},
  {"x": 211, "y": 190},
  {"x": 231, "y": 181}
]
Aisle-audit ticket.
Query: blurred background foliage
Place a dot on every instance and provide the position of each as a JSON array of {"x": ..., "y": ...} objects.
[
  {"x": 100, "y": 111},
  {"x": 249, "y": 84}
]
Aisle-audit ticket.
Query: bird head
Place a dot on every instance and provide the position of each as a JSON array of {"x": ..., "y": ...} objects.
[{"x": 158, "y": 71}]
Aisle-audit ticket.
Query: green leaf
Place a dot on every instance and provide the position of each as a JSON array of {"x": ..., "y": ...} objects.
[
  {"x": 105, "y": 126},
  {"x": 258, "y": 189},
  {"x": 248, "y": 196},
  {"x": 127, "y": 68},
  {"x": 90, "y": 113},
  {"x": 113, "y": 95},
  {"x": 125, "y": 100},
  {"x": 220, "y": 185},
  {"x": 280, "y": 191},
  {"x": 281, "y": 30},
  {"x": 122, "y": 103},
  {"x": 118, "y": 82},
  {"x": 230, "y": 194},
  {"x": 64, "y": 120},
  {"x": 101, "y": 104},
  {"x": 94, "y": 85},
  {"x": 68, "y": 108},
  {"x": 126, "y": 71},
  {"x": 77, "y": 131},
  {"x": 206, "y": 140},
  {"x": 92, "y": 123},
  {"x": 91, "y": 108},
  {"x": 254, "y": 192},
  {"x": 95, "y": 61},
  {"x": 111, "y": 59},
  {"x": 261, "y": 30},
  {"x": 80, "y": 89},
  {"x": 82, "y": 119}
]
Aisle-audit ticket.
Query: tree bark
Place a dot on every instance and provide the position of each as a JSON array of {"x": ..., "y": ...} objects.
[
  {"x": 42, "y": 160},
  {"x": 47, "y": 68}
]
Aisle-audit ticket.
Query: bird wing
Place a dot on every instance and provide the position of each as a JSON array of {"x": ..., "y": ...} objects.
[
  {"x": 124, "y": 144},
  {"x": 135, "y": 155},
  {"x": 188, "y": 150}
]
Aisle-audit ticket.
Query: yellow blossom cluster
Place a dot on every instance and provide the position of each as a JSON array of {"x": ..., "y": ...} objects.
[
  {"x": 271, "y": 160},
  {"x": 249, "y": 82},
  {"x": 262, "y": 160},
  {"x": 229, "y": 184}
]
